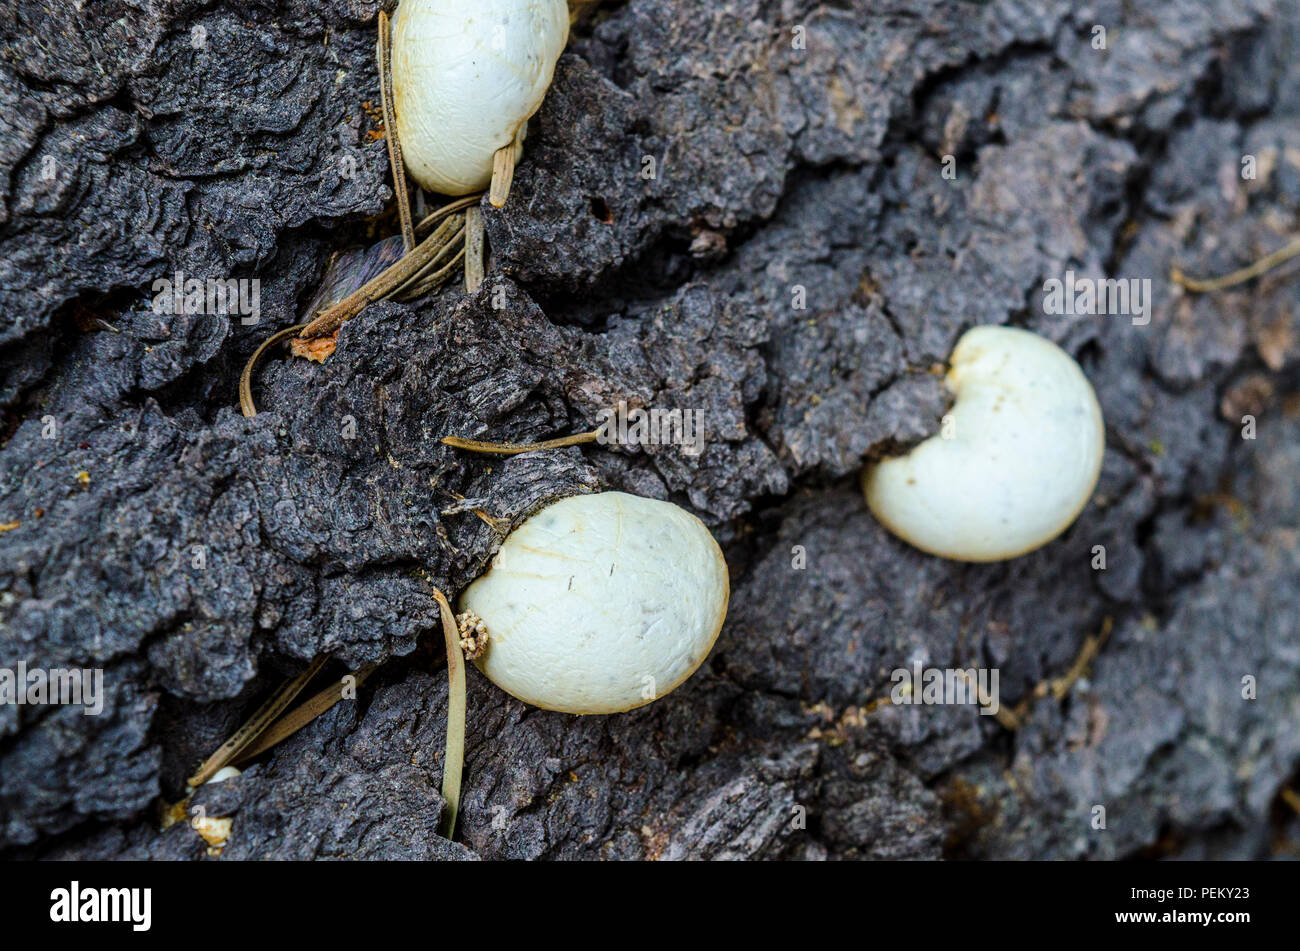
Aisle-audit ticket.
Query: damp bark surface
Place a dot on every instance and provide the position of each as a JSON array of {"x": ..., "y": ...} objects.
[{"x": 778, "y": 215}]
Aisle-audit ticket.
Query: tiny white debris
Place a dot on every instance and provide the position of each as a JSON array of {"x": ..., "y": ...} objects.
[
  {"x": 600, "y": 603},
  {"x": 466, "y": 77},
  {"x": 1022, "y": 460}
]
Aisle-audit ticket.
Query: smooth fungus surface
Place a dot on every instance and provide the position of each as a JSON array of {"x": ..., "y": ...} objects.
[{"x": 600, "y": 603}]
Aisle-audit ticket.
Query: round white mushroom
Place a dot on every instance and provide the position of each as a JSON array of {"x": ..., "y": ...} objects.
[
  {"x": 600, "y": 603},
  {"x": 466, "y": 77},
  {"x": 1013, "y": 465}
]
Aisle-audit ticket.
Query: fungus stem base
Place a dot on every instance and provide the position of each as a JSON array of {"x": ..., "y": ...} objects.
[{"x": 503, "y": 175}]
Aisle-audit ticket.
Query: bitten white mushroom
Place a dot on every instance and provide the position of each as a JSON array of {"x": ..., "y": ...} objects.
[
  {"x": 1013, "y": 466},
  {"x": 466, "y": 78},
  {"x": 600, "y": 603}
]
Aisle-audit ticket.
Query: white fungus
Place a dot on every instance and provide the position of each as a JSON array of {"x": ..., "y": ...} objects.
[
  {"x": 466, "y": 77},
  {"x": 600, "y": 603},
  {"x": 221, "y": 775},
  {"x": 1014, "y": 463}
]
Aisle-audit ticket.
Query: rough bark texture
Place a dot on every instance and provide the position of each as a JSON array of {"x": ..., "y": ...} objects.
[{"x": 242, "y": 140}]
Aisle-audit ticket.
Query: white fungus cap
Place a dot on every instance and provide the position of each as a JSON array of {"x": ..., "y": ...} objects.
[
  {"x": 1024, "y": 455},
  {"x": 600, "y": 603},
  {"x": 221, "y": 775},
  {"x": 466, "y": 75}
]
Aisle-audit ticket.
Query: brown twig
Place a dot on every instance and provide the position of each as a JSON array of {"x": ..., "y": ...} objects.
[
  {"x": 450, "y": 234},
  {"x": 246, "y": 404},
  {"x": 474, "y": 271},
  {"x": 395, "y": 161},
  {"x": 263, "y": 717},
  {"x": 1058, "y": 687},
  {"x": 453, "y": 762},
  {"x": 1262, "y": 266},
  {"x": 514, "y": 448},
  {"x": 390, "y": 279},
  {"x": 435, "y": 280},
  {"x": 299, "y": 718}
]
